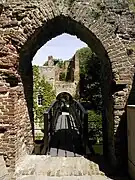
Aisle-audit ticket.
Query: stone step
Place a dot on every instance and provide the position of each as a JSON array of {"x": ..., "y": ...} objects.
[
  {"x": 93, "y": 177},
  {"x": 56, "y": 166},
  {"x": 44, "y": 167}
]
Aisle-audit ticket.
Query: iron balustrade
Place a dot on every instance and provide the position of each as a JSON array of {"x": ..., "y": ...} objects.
[
  {"x": 50, "y": 120},
  {"x": 81, "y": 119},
  {"x": 51, "y": 115}
]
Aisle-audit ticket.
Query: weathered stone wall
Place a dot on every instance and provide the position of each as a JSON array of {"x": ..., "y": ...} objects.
[
  {"x": 23, "y": 124},
  {"x": 48, "y": 72},
  {"x": 7, "y": 147},
  {"x": 13, "y": 125},
  {"x": 59, "y": 70},
  {"x": 52, "y": 75},
  {"x": 70, "y": 68},
  {"x": 108, "y": 27},
  {"x": 77, "y": 69},
  {"x": 69, "y": 87},
  {"x": 131, "y": 137},
  {"x": 3, "y": 169}
]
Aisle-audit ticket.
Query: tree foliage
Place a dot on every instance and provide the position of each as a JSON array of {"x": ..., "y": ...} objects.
[
  {"x": 46, "y": 63},
  {"x": 95, "y": 125},
  {"x": 60, "y": 64},
  {"x": 84, "y": 55},
  {"x": 41, "y": 86},
  {"x": 62, "y": 76},
  {"x": 90, "y": 90}
]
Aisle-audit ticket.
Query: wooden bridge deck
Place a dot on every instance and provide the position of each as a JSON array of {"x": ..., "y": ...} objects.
[{"x": 66, "y": 140}]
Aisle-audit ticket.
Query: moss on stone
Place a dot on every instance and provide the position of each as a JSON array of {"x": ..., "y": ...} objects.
[{"x": 132, "y": 5}]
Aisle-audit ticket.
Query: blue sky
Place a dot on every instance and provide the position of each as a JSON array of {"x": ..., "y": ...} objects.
[{"x": 61, "y": 47}]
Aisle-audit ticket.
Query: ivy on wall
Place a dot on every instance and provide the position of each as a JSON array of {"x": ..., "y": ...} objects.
[
  {"x": 41, "y": 87},
  {"x": 62, "y": 76}
]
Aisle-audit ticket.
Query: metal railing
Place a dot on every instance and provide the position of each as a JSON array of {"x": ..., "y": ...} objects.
[
  {"x": 51, "y": 115},
  {"x": 81, "y": 119},
  {"x": 50, "y": 120}
]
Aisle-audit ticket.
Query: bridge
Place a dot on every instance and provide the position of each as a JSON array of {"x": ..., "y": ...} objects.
[
  {"x": 66, "y": 151},
  {"x": 65, "y": 129}
]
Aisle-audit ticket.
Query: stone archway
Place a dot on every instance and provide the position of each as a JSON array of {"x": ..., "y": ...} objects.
[
  {"x": 74, "y": 28},
  {"x": 66, "y": 95},
  {"x": 26, "y": 27}
]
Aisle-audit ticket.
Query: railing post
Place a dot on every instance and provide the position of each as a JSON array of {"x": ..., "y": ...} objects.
[
  {"x": 50, "y": 118},
  {"x": 45, "y": 132},
  {"x": 80, "y": 130},
  {"x": 86, "y": 124},
  {"x": 85, "y": 131}
]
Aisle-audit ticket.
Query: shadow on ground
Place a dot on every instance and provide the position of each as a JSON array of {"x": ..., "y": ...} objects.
[
  {"x": 68, "y": 140},
  {"x": 105, "y": 167}
]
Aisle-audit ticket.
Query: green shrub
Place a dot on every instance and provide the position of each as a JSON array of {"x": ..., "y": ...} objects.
[
  {"x": 95, "y": 125},
  {"x": 46, "y": 90}
]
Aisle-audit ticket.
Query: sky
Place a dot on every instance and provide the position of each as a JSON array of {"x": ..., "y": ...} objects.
[{"x": 60, "y": 47}]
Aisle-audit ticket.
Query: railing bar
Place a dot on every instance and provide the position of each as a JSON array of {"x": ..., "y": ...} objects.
[
  {"x": 65, "y": 136},
  {"x": 52, "y": 105},
  {"x": 80, "y": 106},
  {"x": 71, "y": 120},
  {"x": 58, "y": 145},
  {"x": 131, "y": 162}
]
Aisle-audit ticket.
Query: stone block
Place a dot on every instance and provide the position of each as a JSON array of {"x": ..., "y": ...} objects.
[
  {"x": 119, "y": 107},
  {"x": 3, "y": 170},
  {"x": 3, "y": 89}
]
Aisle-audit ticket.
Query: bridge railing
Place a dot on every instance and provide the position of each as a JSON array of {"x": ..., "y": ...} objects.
[
  {"x": 51, "y": 115},
  {"x": 81, "y": 119},
  {"x": 50, "y": 118}
]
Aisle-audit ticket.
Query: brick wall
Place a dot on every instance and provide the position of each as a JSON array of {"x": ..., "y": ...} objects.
[{"x": 106, "y": 26}]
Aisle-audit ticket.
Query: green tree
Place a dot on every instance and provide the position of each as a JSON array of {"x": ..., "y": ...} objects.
[
  {"x": 95, "y": 125},
  {"x": 90, "y": 90},
  {"x": 46, "y": 63},
  {"x": 60, "y": 63},
  {"x": 42, "y": 87},
  {"x": 84, "y": 54}
]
